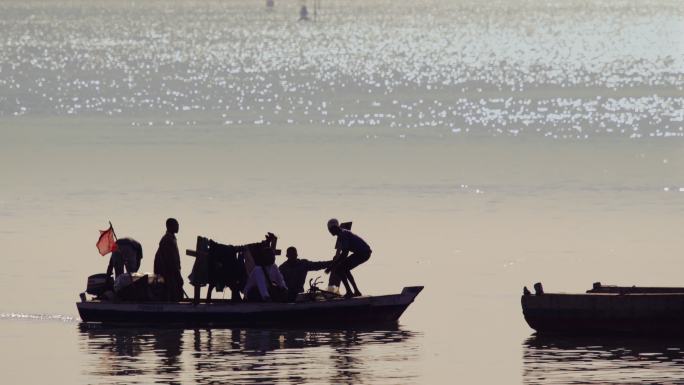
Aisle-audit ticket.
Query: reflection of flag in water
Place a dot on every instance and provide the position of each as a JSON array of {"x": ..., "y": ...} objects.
[{"x": 106, "y": 243}]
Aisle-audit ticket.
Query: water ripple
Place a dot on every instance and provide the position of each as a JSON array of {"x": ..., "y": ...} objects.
[
  {"x": 563, "y": 70},
  {"x": 39, "y": 317}
]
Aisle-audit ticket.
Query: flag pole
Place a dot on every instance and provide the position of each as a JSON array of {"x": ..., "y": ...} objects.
[{"x": 113, "y": 232}]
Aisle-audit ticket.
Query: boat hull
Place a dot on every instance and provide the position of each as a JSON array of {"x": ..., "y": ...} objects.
[
  {"x": 360, "y": 311},
  {"x": 605, "y": 313}
]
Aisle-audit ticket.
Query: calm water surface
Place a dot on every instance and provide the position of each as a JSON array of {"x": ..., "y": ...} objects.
[
  {"x": 600, "y": 360},
  {"x": 477, "y": 147}
]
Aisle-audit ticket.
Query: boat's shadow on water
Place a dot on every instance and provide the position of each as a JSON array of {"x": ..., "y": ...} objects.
[
  {"x": 603, "y": 360},
  {"x": 243, "y": 355}
]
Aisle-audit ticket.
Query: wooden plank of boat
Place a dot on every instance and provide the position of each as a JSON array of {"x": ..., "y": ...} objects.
[
  {"x": 359, "y": 311},
  {"x": 605, "y": 313}
]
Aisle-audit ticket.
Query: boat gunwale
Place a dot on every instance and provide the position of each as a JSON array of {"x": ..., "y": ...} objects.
[
  {"x": 616, "y": 294},
  {"x": 399, "y": 301}
]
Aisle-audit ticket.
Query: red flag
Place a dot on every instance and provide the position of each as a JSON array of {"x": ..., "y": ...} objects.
[{"x": 106, "y": 243}]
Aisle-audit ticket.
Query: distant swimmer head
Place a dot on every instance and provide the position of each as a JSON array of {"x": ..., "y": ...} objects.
[
  {"x": 172, "y": 225},
  {"x": 333, "y": 226}
]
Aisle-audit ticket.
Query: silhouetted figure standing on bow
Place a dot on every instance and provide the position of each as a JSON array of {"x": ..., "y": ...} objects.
[
  {"x": 167, "y": 263},
  {"x": 343, "y": 262}
]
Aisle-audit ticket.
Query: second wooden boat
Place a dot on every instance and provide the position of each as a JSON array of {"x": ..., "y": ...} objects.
[{"x": 606, "y": 310}]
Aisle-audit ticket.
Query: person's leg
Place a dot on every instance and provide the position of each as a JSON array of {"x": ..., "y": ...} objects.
[
  {"x": 118, "y": 269},
  {"x": 262, "y": 285},
  {"x": 178, "y": 293},
  {"x": 172, "y": 292},
  {"x": 350, "y": 278},
  {"x": 254, "y": 295},
  {"x": 341, "y": 272},
  {"x": 345, "y": 282},
  {"x": 235, "y": 294},
  {"x": 210, "y": 288},
  {"x": 196, "y": 296},
  {"x": 353, "y": 261},
  {"x": 335, "y": 279}
]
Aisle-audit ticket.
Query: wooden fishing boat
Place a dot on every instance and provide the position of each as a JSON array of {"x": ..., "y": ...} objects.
[
  {"x": 320, "y": 312},
  {"x": 606, "y": 310}
]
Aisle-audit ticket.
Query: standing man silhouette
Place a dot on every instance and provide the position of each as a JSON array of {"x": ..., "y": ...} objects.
[{"x": 167, "y": 263}]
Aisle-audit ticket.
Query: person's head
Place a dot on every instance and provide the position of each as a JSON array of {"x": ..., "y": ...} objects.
[
  {"x": 291, "y": 253},
  {"x": 334, "y": 226},
  {"x": 172, "y": 225}
]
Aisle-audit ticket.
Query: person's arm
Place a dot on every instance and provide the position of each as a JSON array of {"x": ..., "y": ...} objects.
[
  {"x": 110, "y": 266},
  {"x": 176, "y": 255},
  {"x": 340, "y": 255},
  {"x": 313, "y": 266}
]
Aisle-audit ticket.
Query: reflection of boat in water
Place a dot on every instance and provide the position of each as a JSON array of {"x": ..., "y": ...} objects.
[
  {"x": 602, "y": 360},
  {"x": 133, "y": 341},
  {"x": 350, "y": 312},
  {"x": 247, "y": 355},
  {"x": 607, "y": 309}
]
